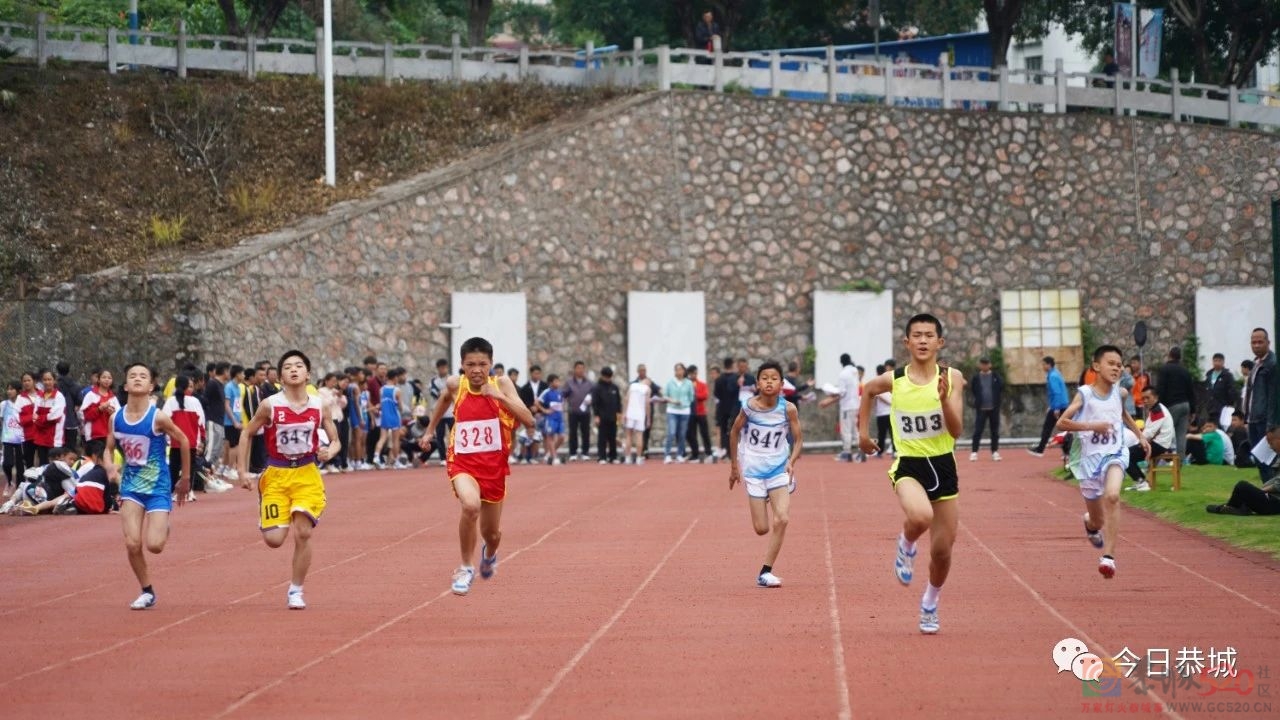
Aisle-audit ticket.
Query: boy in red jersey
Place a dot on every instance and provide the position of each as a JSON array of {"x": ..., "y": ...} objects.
[
  {"x": 485, "y": 410},
  {"x": 290, "y": 491}
]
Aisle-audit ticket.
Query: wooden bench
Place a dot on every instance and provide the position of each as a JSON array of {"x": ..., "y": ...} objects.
[{"x": 1175, "y": 464}]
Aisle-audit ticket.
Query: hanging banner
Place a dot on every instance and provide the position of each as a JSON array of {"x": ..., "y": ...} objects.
[
  {"x": 1124, "y": 38},
  {"x": 1149, "y": 42}
]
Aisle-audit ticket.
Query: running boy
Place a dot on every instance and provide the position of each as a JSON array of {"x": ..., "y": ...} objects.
[
  {"x": 147, "y": 492},
  {"x": 291, "y": 491},
  {"x": 927, "y": 407},
  {"x": 485, "y": 409},
  {"x": 1099, "y": 456},
  {"x": 764, "y": 461}
]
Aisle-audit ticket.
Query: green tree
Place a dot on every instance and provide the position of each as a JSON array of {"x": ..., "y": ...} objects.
[{"x": 612, "y": 21}]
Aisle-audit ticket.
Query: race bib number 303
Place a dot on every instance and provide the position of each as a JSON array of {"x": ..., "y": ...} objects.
[
  {"x": 919, "y": 426},
  {"x": 477, "y": 436}
]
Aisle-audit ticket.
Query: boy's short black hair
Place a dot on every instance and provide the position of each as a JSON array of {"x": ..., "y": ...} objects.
[
  {"x": 691, "y": 369},
  {"x": 1219, "y": 356},
  {"x": 551, "y": 378},
  {"x": 606, "y": 371},
  {"x": 63, "y": 367},
  {"x": 1103, "y": 350},
  {"x": 134, "y": 364},
  {"x": 1247, "y": 364},
  {"x": 221, "y": 368},
  {"x": 476, "y": 345},
  {"x": 442, "y": 363},
  {"x": 370, "y": 360},
  {"x": 769, "y": 365},
  {"x": 298, "y": 354},
  {"x": 922, "y": 318},
  {"x": 1048, "y": 360},
  {"x": 728, "y": 362},
  {"x": 535, "y": 368}
]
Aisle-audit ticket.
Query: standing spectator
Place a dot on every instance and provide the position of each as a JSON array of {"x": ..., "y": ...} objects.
[
  {"x": 1177, "y": 392},
  {"x": 358, "y": 402},
  {"x": 11, "y": 435},
  {"x": 849, "y": 396},
  {"x": 187, "y": 413},
  {"x": 1056, "y": 395},
  {"x": 375, "y": 377},
  {"x": 746, "y": 385},
  {"x": 577, "y": 397},
  {"x": 705, "y": 34},
  {"x": 100, "y": 403},
  {"x": 638, "y": 416},
  {"x": 606, "y": 402},
  {"x": 215, "y": 414},
  {"x": 26, "y": 405},
  {"x": 1140, "y": 382},
  {"x": 1258, "y": 390},
  {"x": 529, "y": 393},
  {"x": 698, "y": 419},
  {"x": 445, "y": 426},
  {"x": 1221, "y": 385},
  {"x": 334, "y": 401},
  {"x": 233, "y": 422},
  {"x": 50, "y": 417},
  {"x": 986, "y": 388},
  {"x": 655, "y": 397},
  {"x": 1129, "y": 400},
  {"x": 254, "y": 379},
  {"x": 679, "y": 399},
  {"x": 725, "y": 391},
  {"x": 550, "y": 403},
  {"x": 70, "y": 390}
]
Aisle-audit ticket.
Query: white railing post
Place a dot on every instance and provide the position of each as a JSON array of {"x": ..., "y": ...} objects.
[
  {"x": 251, "y": 57},
  {"x": 775, "y": 74},
  {"x": 664, "y": 67},
  {"x": 522, "y": 67},
  {"x": 1059, "y": 86},
  {"x": 388, "y": 63},
  {"x": 637, "y": 60},
  {"x": 1175, "y": 95},
  {"x": 831, "y": 73},
  {"x": 320, "y": 52},
  {"x": 1233, "y": 107},
  {"x": 717, "y": 64},
  {"x": 182, "y": 48},
  {"x": 886, "y": 68},
  {"x": 1002, "y": 90},
  {"x": 944, "y": 67},
  {"x": 586, "y": 66},
  {"x": 455, "y": 57},
  {"x": 42, "y": 40},
  {"x": 1119, "y": 107},
  {"x": 112, "y": 44}
]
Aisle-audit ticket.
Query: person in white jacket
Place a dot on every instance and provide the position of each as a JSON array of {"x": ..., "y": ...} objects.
[{"x": 1158, "y": 429}]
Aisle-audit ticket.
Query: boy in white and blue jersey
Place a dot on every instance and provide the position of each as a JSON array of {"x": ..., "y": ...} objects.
[
  {"x": 143, "y": 434},
  {"x": 1099, "y": 456},
  {"x": 764, "y": 461}
]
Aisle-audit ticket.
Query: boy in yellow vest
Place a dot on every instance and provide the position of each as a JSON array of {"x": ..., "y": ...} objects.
[{"x": 927, "y": 416}]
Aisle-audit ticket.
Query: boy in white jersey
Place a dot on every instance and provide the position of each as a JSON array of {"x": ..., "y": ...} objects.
[
  {"x": 764, "y": 461},
  {"x": 1099, "y": 456}
]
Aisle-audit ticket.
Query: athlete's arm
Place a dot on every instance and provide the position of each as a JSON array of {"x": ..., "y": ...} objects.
[
  {"x": 875, "y": 386},
  {"x": 951, "y": 393},
  {"x": 260, "y": 417},
  {"x": 1066, "y": 421},
  {"x": 165, "y": 425},
  {"x": 326, "y": 453},
  {"x": 507, "y": 395},
  {"x": 793, "y": 416},
  {"x": 109, "y": 454},
  {"x": 735, "y": 473},
  {"x": 442, "y": 406}
]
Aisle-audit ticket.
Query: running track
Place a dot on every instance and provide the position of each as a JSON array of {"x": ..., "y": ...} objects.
[{"x": 623, "y": 592}]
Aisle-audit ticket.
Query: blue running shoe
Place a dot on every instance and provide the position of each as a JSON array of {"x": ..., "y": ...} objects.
[
  {"x": 488, "y": 565},
  {"x": 1095, "y": 536},
  {"x": 928, "y": 620},
  {"x": 904, "y": 564}
]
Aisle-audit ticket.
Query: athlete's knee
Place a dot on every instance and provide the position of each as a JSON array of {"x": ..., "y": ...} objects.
[
  {"x": 940, "y": 553},
  {"x": 133, "y": 544},
  {"x": 274, "y": 538},
  {"x": 761, "y": 527},
  {"x": 470, "y": 509},
  {"x": 780, "y": 520},
  {"x": 1111, "y": 496},
  {"x": 918, "y": 521},
  {"x": 302, "y": 530},
  {"x": 492, "y": 536}
]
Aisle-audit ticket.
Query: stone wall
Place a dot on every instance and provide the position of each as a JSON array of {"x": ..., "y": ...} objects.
[{"x": 756, "y": 202}]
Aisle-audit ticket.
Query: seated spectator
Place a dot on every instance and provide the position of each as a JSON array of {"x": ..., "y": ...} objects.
[
  {"x": 413, "y": 435},
  {"x": 44, "y": 486},
  {"x": 1249, "y": 499},
  {"x": 95, "y": 493},
  {"x": 1207, "y": 447},
  {"x": 1158, "y": 429},
  {"x": 1239, "y": 435}
]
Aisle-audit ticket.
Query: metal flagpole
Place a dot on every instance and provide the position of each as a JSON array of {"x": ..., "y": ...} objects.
[{"x": 330, "y": 152}]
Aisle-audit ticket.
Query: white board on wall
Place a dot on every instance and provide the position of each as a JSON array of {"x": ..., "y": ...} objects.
[
  {"x": 664, "y": 328},
  {"x": 500, "y": 318},
  {"x": 858, "y": 323},
  {"x": 1225, "y": 318}
]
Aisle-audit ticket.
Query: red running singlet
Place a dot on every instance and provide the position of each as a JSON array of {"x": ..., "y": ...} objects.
[{"x": 481, "y": 440}]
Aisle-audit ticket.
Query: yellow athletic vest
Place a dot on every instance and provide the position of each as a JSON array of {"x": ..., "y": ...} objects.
[{"x": 918, "y": 426}]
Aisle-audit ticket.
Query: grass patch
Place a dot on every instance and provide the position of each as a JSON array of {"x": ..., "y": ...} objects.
[{"x": 1207, "y": 485}]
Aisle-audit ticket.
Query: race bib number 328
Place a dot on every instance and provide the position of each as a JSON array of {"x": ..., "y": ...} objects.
[{"x": 477, "y": 436}]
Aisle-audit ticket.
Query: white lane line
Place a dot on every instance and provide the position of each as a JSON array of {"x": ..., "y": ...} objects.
[
  {"x": 257, "y": 692},
  {"x": 837, "y": 644},
  {"x": 603, "y": 629},
  {"x": 1076, "y": 630}
]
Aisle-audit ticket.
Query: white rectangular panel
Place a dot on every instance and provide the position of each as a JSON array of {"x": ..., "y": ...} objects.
[
  {"x": 500, "y": 318},
  {"x": 858, "y": 323},
  {"x": 1225, "y": 318},
  {"x": 664, "y": 328}
]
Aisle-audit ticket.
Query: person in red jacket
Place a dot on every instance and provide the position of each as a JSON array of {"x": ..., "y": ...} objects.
[
  {"x": 188, "y": 414},
  {"x": 698, "y": 422},
  {"x": 98, "y": 406},
  {"x": 50, "y": 417},
  {"x": 26, "y": 404}
]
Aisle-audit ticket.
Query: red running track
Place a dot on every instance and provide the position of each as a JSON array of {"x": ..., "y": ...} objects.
[{"x": 623, "y": 592}]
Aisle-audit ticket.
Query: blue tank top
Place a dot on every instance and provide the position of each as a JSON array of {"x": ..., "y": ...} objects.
[
  {"x": 146, "y": 455},
  {"x": 389, "y": 408},
  {"x": 764, "y": 448}
]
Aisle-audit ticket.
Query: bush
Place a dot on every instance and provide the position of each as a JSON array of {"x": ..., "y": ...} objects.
[{"x": 167, "y": 233}]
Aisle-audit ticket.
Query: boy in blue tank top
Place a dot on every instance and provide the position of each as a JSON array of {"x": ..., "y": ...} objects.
[
  {"x": 764, "y": 460},
  {"x": 143, "y": 434}
]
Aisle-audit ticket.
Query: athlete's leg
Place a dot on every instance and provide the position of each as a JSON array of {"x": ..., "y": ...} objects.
[
  {"x": 276, "y": 536},
  {"x": 156, "y": 531},
  {"x": 1111, "y": 508},
  {"x": 916, "y": 507},
  {"x": 780, "y": 499},
  {"x": 491, "y": 526},
  {"x": 942, "y": 535},
  {"x": 302, "y": 529},
  {"x": 468, "y": 491},
  {"x": 759, "y": 515},
  {"x": 131, "y": 515}
]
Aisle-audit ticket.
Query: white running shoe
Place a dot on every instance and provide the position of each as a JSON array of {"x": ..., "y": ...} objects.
[
  {"x": 996, "y": 457},
  {"x": 928, "y": 620},
  {"x": 768, "y": 580},
  {"x": 462, "y": 578},
  {"x": 1140, "y": 486},
  {"x": 296, "y": 602},
  {"x": 191, "y": 496},
  {"x": 1107, "y": 567},
  {"x": 666, "y": 460},
  {"x": 903, "y": 565},
  {"x": 144, "y": 601},
  {"x": 973, "y": 456}
]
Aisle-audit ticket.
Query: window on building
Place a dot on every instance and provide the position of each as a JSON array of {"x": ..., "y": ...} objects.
[
  {"x": 1035, "y": 323},
  {"x": 1035, "y": 62}
]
